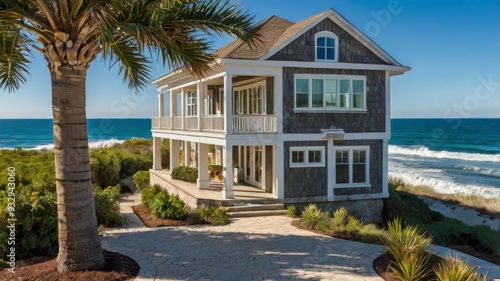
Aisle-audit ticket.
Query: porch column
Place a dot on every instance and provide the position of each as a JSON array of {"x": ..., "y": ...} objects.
[
  {"x": 161, "y": 105},
  {"x": 183, "y": 110},
  {"x": 175, "y": 147},
  {"x": 202, "y": 181},
  {"x": 173, "y": 104},
  {"x": 157, "y": 153},
  {"x": 228, "y": 103},
  {"x": 227, "y": 166},
  {"x": 278, "y": 102},
  {"x": 279, "y": 152},
  {"x": 187, "y": 153},
  {"x": 200, "y": 97}
]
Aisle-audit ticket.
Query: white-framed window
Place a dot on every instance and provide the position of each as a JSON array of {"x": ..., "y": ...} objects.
[
  {"x": 307, "y": 156},
  {"x": 250, "y": 99},
  {"x": 330, "y": 92},
  {"x": 191, "y": 104},
  {"x": 326, "y": 44},
  {"x": 352, "y": 166}
]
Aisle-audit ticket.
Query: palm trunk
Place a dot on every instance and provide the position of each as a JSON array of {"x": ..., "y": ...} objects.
[{"x": 79, "y": 243}]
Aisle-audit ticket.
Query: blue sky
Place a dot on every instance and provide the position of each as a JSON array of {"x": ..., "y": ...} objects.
[{"x": 453, "y": 47}]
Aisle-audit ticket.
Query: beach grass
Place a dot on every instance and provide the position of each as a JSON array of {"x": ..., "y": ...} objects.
[{"x": 482, "y": 204}]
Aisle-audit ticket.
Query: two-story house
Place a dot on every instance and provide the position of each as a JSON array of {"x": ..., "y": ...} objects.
[{"x": 305, "y": 116}]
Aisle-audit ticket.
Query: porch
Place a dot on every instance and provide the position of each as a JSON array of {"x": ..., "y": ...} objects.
[{"x": 194, "y": 197}]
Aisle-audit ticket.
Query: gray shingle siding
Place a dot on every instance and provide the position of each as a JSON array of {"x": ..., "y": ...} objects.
[
  {"x": 373, "y": 120},
  {"x": 304, "y": 182},
  {"x": 350, "y": 49}
]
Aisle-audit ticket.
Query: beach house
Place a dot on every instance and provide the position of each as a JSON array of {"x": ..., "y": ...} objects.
[{"x": 304, "y": 117}]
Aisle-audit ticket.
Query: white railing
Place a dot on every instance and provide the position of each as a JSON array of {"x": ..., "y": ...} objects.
[
  {"x": 191, "y": 123},
  {"x": 255, "y": 124},
  {"x": 162, "y": 123},
  {"x": 177, "y": 123},
  {"x": 213, "y": 123}
]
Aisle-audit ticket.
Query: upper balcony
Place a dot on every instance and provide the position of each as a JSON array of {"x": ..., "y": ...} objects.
[
  {"x": 241, "y": 123},
  {"x": 201, "y": 107}
]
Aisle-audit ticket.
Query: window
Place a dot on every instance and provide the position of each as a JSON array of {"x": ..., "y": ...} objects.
[
  {"x": 326, "y": 46},
  {"x": 351, "y": 166},
  {"x": 330, "y": 92},
  {"x": 310, "y": 156},
  {"x": 250, "y": 99},
  {"x": 191, "y": 104}
]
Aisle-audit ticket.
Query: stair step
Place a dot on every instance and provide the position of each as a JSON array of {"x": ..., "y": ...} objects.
[
  {"x": 255, "y": 207},
  {"x": 246, "y": 214}
]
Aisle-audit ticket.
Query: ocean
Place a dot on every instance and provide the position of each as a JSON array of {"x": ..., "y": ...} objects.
[{"x": 450, "y": 155}]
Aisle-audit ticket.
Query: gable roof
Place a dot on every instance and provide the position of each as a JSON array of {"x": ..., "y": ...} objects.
[{"x": 276, "y": 33}]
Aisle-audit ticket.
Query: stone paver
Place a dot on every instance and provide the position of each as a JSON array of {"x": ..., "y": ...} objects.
[{"x": 261, "y": 248}]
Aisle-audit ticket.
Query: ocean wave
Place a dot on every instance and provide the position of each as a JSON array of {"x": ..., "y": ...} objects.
[
  {"x": 92, "y": 144},
  {"x": 423, "y": 151},
  {"x": 443, "y": 185},
  {"x": 489, "y": 172}
]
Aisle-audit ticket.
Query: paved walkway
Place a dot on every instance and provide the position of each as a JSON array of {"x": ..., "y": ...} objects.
[{"x": 262, "y": 248}]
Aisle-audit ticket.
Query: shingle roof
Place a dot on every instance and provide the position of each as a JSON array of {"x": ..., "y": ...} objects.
[{"x": 270, "y": 30}]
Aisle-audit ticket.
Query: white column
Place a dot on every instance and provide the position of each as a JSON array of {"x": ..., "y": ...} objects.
[
  {"x": 175, "y": 146},
  {"x": 278, "y": 101},
  {"x": 228, "y": 103},
  {"x": 161, "y": 105},
  {"x": 263, "y": 168},
  {"x": 280, "y": 169},
  {"x": 173, "y": 103},
  {"x": 157, "y": 153},
  {"x": 183, "y": 108},
  {"x": 200, "y": 99},
  {"x": 330, "y": 159},
  {"x": 187, "y": 153},
  {"x": 227, "y": 169},
  {"x": 385, "y": 169},
  {"x": 203, "y": 182}
]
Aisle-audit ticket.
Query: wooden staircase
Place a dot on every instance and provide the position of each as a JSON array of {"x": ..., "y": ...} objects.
[{"x": 244, "y": 210}]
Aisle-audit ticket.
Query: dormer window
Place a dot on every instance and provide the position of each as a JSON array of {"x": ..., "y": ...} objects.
[{"x": 326, "y": 46}]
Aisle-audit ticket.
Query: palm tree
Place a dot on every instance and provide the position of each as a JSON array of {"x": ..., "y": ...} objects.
[{"x": 71, "y": 34}]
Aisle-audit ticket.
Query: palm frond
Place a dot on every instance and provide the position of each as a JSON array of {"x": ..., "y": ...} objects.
[{"x": 14, "y": 52}]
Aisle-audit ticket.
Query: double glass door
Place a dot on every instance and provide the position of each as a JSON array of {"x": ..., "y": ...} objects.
[{"x": 252, "y": 159}]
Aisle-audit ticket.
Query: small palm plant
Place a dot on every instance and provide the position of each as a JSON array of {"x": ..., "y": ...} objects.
[
  {"x": 407, "y": 245},
  {"x": 454, "y": 269},
  {"x": 311, "y": 215}
]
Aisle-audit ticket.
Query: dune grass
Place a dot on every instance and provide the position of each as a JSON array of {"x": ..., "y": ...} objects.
[{"x": 484, "y": 205}]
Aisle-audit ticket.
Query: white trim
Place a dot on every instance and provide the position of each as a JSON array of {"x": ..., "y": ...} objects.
[
  {"x": 345, "y": 25},
  {"x": 394, "y": 69},
  {"x": 191, "y": 83},
  {"x": 305, "y": 150},
  {"x": 326, "y": 34},
  {"x": 388, "y": 104},
  {"x": 350, "y": 150},
  {"x": 385, "y": 167},
  {"x": 280, "y": 170}
]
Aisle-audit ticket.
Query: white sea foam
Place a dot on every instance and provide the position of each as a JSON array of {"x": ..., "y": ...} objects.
[
  {"x": 92, "y": 144},
  {"x": 438, "y": 182},
  {"x": 423, "y": 151}
]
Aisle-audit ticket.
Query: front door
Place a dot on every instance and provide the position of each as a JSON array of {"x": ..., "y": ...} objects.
[{"x": 252, "y": 158}]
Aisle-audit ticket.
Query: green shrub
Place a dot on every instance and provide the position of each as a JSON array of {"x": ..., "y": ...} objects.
[
  {"x": 325, "y": 223},
  {"x": 141, "y": 179},
  {"x": 148, "y": 195},
  {"x": 105, "y": 165},
  {"x": 131, "y": 164},
  {"x": 214, "y": 215},
  {"x": 453, "y": 269},
  {"x": 36, "y": 225},
  {"x": 106, "y": 205},
  {"x": 167, "y": 206},
  {"x": 291, "y": 211},
  {"x": 165, "y": 153},
  {"x": 353, "y": 224},
  {"x": 311, "y": 215},
  {"x": 184, "y": 173}
]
